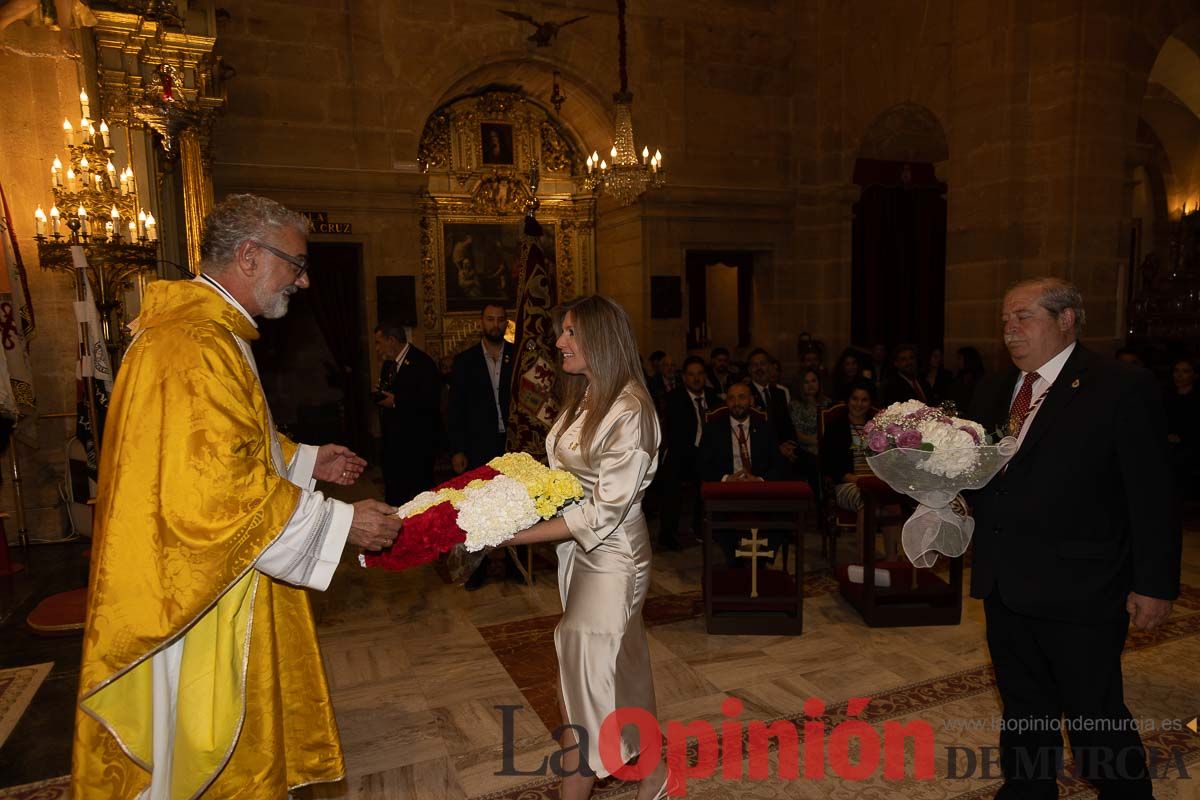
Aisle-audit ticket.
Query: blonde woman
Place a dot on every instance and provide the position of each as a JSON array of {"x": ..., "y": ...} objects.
[{"x": 608, "y": 435}]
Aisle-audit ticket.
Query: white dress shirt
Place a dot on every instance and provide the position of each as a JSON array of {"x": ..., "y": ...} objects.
[
  {"x": 737, "y": 448},
  {"x": 1047, "y": 375}
]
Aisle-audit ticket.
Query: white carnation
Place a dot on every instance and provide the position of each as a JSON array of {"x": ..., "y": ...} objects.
[
  {"x": 418, "y": 504},
  {"x": 954, "y": 451},
  {"x": 896, "y": 412},
  {"x": 975, "y": 426},
  {"x": 493, "y": 513}
]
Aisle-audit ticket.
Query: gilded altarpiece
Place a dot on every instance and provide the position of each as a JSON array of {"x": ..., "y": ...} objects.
[{"x": 480, "y": 153}]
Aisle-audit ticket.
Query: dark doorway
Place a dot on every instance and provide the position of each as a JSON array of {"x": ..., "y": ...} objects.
[
  {"x": 313, "y": 361},
  {"x": 720, "y": 286},
  {"x": 898, "y": 261}
]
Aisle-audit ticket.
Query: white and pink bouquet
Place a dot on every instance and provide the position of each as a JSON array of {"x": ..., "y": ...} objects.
[
  {"x": 931, "y": 456},
  {"x": 479, "y": 509}
]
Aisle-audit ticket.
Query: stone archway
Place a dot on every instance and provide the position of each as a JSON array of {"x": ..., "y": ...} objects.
[{"x": 905, "y": 132}]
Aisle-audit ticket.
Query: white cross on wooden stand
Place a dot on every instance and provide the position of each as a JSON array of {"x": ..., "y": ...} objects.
[{"x": 754, "y": 553}]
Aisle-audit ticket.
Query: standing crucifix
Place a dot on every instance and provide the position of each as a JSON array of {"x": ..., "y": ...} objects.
[{"x": 754, "y": 553}]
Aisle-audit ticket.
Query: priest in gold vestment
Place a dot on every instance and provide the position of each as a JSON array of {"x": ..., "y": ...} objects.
[{"x": 201, "y": 673}]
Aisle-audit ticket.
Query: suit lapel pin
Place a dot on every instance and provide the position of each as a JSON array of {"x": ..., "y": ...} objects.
[
  {"x": 406, "y": 362},
  {"x": 1075, "y": 383}
]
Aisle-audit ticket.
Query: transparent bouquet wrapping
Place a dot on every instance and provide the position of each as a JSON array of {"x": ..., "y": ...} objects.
[
  {"x": 462, "y": 563},
  {"x": 939, "y": 525}
]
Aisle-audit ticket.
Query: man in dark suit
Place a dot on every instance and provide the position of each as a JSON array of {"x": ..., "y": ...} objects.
[
  {"x": 721, "y": 371},
  {"x": 903, "y": 381},
  {"x": 1076, "y": 537},
  {"x": 687, "y": 408},
  {"x": 480, "y": 390},
  {"x": 772, "y": 399},
  {"x": 409, "y": 400},
  {"x": 734, "y": 433}
]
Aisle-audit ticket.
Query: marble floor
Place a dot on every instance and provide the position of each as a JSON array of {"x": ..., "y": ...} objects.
[
  {"x": 430, "y": 682},
  {"x": 419, "y": 669}
]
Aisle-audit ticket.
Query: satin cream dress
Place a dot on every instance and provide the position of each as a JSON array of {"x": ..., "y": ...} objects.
[{"x": 604, "y": 572}]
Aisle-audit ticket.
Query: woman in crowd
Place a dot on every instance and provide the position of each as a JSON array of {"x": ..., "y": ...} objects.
[
  {"x": 806, "y": 408},
  {"x": 844, "y": 457},
  {"x": 848, "y": 370},
  {"x": 937, "y": 377},
  {"x": 608, "y": 435}
]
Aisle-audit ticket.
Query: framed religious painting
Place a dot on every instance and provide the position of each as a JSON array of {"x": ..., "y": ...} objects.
[
  {"x": 481, "y": 263},
  {"x": 496, "y": 140}
]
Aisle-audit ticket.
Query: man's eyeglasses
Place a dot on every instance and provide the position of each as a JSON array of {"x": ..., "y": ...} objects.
[{"x": 299, "y": 263}]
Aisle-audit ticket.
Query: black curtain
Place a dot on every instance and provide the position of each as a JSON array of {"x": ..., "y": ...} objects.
[
  {"x": 898, "y": 262},
  {"x": 336, "y": 300}
]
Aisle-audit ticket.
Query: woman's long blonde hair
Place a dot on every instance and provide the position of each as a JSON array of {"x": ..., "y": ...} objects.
[{"x": 605, "y": 337}]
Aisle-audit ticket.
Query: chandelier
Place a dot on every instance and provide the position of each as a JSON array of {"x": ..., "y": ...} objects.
[
  {"x": 96, "y": 208},
  {"x": 627, "y": 177}
]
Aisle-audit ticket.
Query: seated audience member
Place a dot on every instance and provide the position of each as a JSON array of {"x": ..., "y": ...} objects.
[
  {"x": 805, "y": 409},
  {"x": 771, "y": 398},
  {"x": 687, "y": 410},
  {"x": 937, "y": 377},
  {"x": 1130, "y": 356},
  {"x": 877, "y": 367},
  {"x": 844, "y": 457},
  {"x": 969, "y": 374},
  {"x": 739, "y": 443},
  {"x": 903, "y": 383},
  {"x": 846, "y": 372},
  {"x": 813, "y": 359},
  {"x": 1183, "y": 428},
  {"x": 662, "y": 376},
  {"x": 775, "y": 376},
  {"x": 721, "y": 371}
]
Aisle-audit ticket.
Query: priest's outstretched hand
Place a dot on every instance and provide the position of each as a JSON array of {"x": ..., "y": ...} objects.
[
  {"x": 337, "y": 464},
  {"x": 375, "y": 525}
]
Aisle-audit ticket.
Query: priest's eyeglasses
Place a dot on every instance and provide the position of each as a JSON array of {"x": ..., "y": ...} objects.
[{"x": 299, "y": 263}]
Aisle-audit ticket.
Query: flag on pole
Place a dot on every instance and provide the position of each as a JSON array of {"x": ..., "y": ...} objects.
[
  {"x": 93, "y": 363},
  {"x": 534, "y": 404},
  {"x": 16, "y": 316}
]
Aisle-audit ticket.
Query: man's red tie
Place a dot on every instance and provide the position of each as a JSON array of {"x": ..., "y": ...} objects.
[
  {"x": 743, "y": 446},
  {"x": 1021, "y": 404}
]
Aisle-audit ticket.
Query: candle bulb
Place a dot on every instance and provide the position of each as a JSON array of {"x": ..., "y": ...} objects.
[
  {"x": 55, "y": 218},
  {"x": 132, "y": 230},
  {"x": 108, "y": 229},
  {"x": 91, "y": 133},
  {"x": 83, "y": 220},
  {"x": 116, "y": 216},
  {"x": 141, "y": 224},
  {"x": 645, "y": 154},
  {"x": 603, "y": 165},
  {"x": 70, "y": 179},
  {"x": 39, "y": 221},
  {"x": 104, "y": 134},
  {"x": 595, "y": 157},
  {"x": 151, "y": 228},
  {"x": 658, "y": 157},
  {"x": 83, "y": 167},
  {"x": 68, "y": 132},
  {"x": 124, "y": 183},
  {"x": 83, "y": 102},
  {"x": 132, "y": 183},
  {"x": 112, "y": 175},
  {"x": 99, "y": 187},
  {"x": 56, "y": 173},
  {"x": 589, "y": 163},
  {"x": 613, "y": 153}
]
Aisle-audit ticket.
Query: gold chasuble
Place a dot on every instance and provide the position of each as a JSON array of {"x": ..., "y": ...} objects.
[{"x": 189, "y": 498}]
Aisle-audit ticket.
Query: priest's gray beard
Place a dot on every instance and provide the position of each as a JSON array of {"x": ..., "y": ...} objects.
[{"x": 273, "y": 304}]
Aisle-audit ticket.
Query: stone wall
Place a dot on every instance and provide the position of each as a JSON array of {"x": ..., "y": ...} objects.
[{"x": 39, "y": 86}]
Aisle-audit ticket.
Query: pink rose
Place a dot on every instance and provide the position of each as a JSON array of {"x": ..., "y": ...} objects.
[
  {"x": 878, "y": 441},
  {"x": 971, "y": 431},
  {"x": 894, "y": 430},
  {"x": 909, "y": 439}
]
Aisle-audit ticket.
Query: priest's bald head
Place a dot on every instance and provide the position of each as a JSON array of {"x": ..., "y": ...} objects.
[{"x": 257, "y": 250}]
